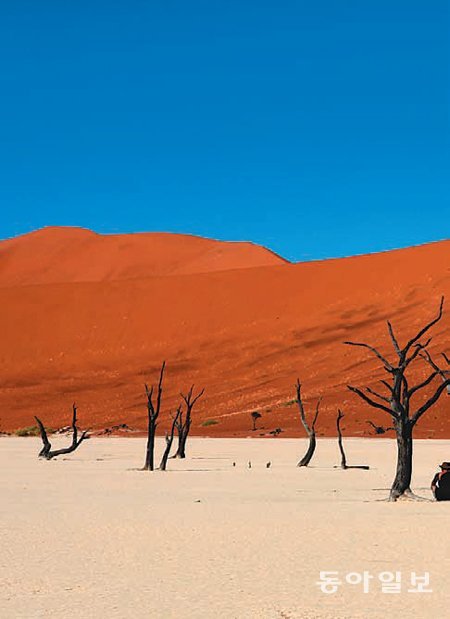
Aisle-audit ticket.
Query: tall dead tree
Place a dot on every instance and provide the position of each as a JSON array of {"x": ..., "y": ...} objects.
[
  {"x": 344, "y": 464},
  {"x": 47, "y": 452},
  {"x": 309, "y": 429},
  {"x": 153, "y": 409},
  {"x": 397, "y": 400},
  {"x": 169, "y": 440},
  {"x": 183, "y": 425}
]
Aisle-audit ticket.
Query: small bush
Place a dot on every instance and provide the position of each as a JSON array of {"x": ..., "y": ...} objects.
[
  {"x": 289, "y": 402},
  {"x": 30, "y": 431},
  {"x": 209, "y": 422}
]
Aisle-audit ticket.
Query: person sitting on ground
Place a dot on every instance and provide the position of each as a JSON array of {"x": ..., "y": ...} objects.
[{"x": 441, "y": 483}]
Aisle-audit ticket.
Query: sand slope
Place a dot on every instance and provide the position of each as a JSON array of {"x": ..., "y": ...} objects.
[{"x": 243, "y": 333}]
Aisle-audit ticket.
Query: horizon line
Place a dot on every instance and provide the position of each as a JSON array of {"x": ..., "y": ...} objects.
[{"x": 221, "y": 240}]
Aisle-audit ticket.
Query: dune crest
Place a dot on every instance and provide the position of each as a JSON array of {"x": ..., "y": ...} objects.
[{"x": 62, "y": 255}]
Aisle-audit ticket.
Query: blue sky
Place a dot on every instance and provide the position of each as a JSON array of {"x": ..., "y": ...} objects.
[{"x": 319, "y": 129}]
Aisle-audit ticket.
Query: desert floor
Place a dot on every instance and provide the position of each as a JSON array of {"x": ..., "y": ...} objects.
[{"x": 88, "y": 535}]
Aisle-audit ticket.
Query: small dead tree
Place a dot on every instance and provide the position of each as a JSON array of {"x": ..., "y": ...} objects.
[
  {"x": 255, "y": 416},
  {"x": 183, "y": 424},
  {"x": 169, "y": 440},
  {"x": 153, "y": 409},
  {"x": 276, "y": 432},
  {"x": 398, "y": 401},
  {"x": 341, "y": 448},
  {"x": 309, "y": 429},
  {"x": 344, "y": 464},
  {"x": 379, "y": 429},
  {"x": 47, "y": 452}
]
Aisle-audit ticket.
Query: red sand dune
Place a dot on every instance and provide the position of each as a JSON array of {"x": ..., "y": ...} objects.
[
  {"x": 66, "y": 255},
  {"x": 90, "y": 318}
]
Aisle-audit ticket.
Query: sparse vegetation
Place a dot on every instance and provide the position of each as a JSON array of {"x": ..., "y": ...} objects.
[
  {"x": 209, "y": 422},
  {"x": 27, "y": 431},
  {"x": 289, "y": 402},
  {"x": 255, "y": 416},
  {"x": 30, "y": 431},
  {"x": 276, "y": 432}
]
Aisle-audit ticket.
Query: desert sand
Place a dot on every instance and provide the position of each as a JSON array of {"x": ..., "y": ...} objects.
[
  {"x": 91, "y": 318},
  {"x": 90, "y": 536}
]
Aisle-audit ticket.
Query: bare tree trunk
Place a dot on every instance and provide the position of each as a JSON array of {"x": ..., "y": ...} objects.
[
  {"x": 182, "y": 440},
  {"x": 344, "y": 464},
  {"x": 169, "y": 441},
  {"x": 310, "y": 452},
  {"x": 153, "y": 410},
  {"x": 181, "y": 450},
  {"x": 341, "y": 447},
  {"x": 183, "y": 428},
  {"x": 402, "y": 481},
  {"x": 150, "y": 451},
  {"x": 310, "y": 430}
]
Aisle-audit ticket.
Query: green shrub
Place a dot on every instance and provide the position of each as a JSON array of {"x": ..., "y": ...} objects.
[
  {"x": 209, "y": 422},
  {"x": 30, "y": 431}
]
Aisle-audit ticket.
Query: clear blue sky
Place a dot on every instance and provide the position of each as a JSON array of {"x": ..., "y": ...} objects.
[{"x": 318, "y": 128}]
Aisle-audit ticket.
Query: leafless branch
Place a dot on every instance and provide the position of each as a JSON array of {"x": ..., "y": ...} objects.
[
  {"x": 385, "y": 362},
  {"x": 373, "y": 403}
]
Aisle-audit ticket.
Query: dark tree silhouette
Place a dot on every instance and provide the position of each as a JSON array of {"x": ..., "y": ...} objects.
[
  {"x": 153, "y": 409},
  {"x": 344, "y": 464},
  {"x": 169, "y": 440},
  {"x": 183, "y": 424},
  {"x": 255, "y": 416},
  {"x": 47, "y": 452},
  {"x": 309, "y": 429},
  {"x": 276, "y": 432},
  {"x": 397, "y": 403},
  {"x": 341, "y": 448},
  {"x": 379, "y": 429}
]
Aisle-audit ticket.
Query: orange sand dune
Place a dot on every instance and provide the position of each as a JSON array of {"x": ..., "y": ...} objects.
[
  {"x": 94, "y": 333},
  {"x": 57, "y": 255}
]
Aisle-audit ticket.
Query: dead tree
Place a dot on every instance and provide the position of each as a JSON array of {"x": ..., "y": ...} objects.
[
  {"x": 169, "y": 440},
  {"x": 309, "y": 429},
  {"x": 276, "y": 432},
  {"x": 255, "y": 416},
  {"x": 183, "y": 424},
  {"x": 341, "y": 447},
  {"x": 47, "y": 452},
  {"x": 397, "y": 400},
  {"x": 379, "y": 429},
  {"x": 344, "y": 464},
  {"x": 153, "y": 409}
]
